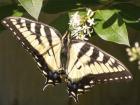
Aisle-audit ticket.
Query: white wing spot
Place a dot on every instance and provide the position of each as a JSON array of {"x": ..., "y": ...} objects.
[
  {"x": 42, "y": 31},
  {"x": 129, "y": 77},
  {"x": 7, "y": 25},
  {"x": 87, "y": 86},
  {"x": 33, "y": 27},
  {"x": 22, "y": 21},
  {"x": 12, "y": 20},
  {"x": 4, "y": 22},
  {"x": 17, "y": 26},
  {"x": 35, "y": 57},
  {"x": 24, "y": 24},
  {"x": 80, "y": 90},
  {"x": 39, "y": 64},
  {"x": 90, "y": 51},
  {"x": 105, "y": 79},
  {"x": 27, "y": 48},
  {"x": 110, "y": 79},
  {"x": 99, "y": 80},
  {"x": 50, "y": 81},
  {"x": 54, "y": 35},
  {"x": 79, "y": 45},
  {"x": 14, "y": 33},
  {"x": 44, "y": 72},
  {"x": 91, "y": 82},
  {"x": 126, "y": 77},
  {"x": 113, "y": 61},
  {"x": 23, "y": 43},
  {"x": 109, "y": 61},
  {"x": 18, "y": 37},
  {"x": 23, "y": 29},
  {"x": 73, "y": 93},
  {"x": 116, "y": 78},
  {"x": 121, "y": 77},
  {"x": 11, "y": 29},
  {"x": 101, "y": 55}
]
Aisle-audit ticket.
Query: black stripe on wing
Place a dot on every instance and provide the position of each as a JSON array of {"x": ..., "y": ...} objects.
[{"x": 18, "y": 26}]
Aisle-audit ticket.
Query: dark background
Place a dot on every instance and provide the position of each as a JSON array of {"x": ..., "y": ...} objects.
[{"x": 21, "y": 82}]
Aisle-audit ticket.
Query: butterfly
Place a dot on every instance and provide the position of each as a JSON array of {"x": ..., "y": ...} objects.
[{"x": 78, "y": 63}]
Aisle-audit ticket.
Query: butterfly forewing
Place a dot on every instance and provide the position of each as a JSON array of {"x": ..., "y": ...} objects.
[
  {"x": 89, "y": 65},
  {"x": 42, "y": 41}
]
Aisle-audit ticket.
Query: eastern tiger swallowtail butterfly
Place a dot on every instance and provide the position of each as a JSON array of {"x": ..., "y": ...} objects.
[{"x": 81, "y": 64}]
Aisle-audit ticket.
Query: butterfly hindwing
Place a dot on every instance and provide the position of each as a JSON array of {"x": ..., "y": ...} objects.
[
  {"x": 89, "y": 65},
  {"x": 42, "y": 41}
]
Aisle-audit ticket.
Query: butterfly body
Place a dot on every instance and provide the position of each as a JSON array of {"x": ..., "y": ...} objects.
[{"x": 80, "y": 63}]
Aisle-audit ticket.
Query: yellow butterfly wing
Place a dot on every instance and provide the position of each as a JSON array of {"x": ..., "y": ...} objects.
[
  {"x": 42, "y": 41},
  {"x": 88, "y": 65}
]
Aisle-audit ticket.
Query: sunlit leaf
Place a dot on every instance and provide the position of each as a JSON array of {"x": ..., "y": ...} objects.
[
  {"x": 17, "y": 13},
  {"x": 111, "y": 27},
  {"x": 33, "y": 7}
]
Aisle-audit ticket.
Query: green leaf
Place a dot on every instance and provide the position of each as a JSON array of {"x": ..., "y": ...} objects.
[
  {"x": 110, "y": 26},
  {"x": 129, "y": 13},
  {"x": 17, "y": 13},
  {"x": 33, "y": 7}
]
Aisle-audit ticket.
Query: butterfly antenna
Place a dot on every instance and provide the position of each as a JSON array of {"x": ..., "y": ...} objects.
[{"x": 65, "y": 34}]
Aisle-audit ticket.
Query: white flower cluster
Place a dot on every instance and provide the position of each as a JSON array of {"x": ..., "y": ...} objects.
[
  {"x": 134, "y": 53},
  {"x": 81, "y": 27}
]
